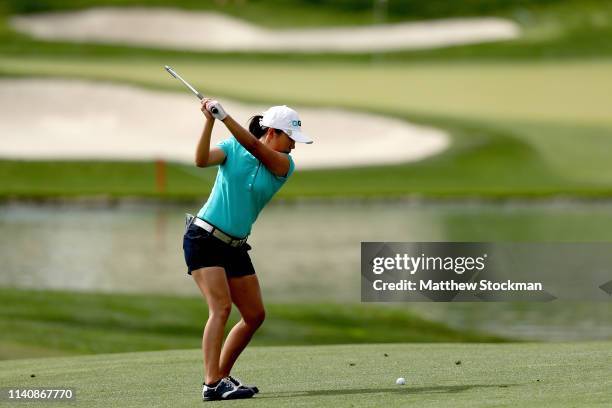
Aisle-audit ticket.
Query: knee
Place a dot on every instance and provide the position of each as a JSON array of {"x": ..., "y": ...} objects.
[
  {"x": 255, "y": 318},
  {"x": 220, "y": 311}
]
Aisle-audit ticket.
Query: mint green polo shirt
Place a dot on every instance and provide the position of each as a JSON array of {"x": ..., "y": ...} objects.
[{"x": 242, "y": 189}]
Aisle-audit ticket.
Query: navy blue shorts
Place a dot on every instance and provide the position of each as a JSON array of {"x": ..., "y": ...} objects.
[{"x": 201, "y": 250}]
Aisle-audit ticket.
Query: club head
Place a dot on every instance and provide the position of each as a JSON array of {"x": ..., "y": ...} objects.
[{"x": 170, "y": 71}]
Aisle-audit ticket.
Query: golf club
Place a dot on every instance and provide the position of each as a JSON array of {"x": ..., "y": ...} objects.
[{"x": 191, "y": 88}]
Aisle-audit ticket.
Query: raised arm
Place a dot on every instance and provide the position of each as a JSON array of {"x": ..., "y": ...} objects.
[
  {"x": 276, "y": 162},
  {"x": 205, "y": 156}
]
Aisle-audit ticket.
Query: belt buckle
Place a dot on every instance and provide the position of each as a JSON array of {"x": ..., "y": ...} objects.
[
  {"x": 227, "y": 239},
  {"x": 237, "y": 243}
]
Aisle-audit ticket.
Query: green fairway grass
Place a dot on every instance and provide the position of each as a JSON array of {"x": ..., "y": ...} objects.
[
  {"x": 437, "y": 375},
  {"x": 40, "y": 323}
]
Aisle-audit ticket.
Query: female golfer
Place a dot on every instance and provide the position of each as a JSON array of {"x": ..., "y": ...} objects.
[{"x": 253, "y": 165}]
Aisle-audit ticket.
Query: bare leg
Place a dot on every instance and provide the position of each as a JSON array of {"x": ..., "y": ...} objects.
[
  {"x": 246, "y": 295},
  {"x": 213, "y": 285}
]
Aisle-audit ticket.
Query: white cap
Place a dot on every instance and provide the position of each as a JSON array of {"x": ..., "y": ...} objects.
[{"x": 286, "y": 119}]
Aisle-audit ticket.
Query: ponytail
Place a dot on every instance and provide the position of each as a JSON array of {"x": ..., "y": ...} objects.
[{"x": 255, "y": 127}]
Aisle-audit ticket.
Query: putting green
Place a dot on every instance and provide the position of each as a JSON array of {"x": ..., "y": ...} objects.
[
  {"x": 438, "y": 375},
  {"x": 578, "y": 92}
]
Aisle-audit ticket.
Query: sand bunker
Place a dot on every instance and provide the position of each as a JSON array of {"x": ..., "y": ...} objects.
[
  {"x": 189, "y": 30},
  {"x": 54, "y": 119}
]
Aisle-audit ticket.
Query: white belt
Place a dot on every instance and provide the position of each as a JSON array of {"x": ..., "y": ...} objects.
[
  {"x": 217, "y": 233},
  {"x": 203, "y": 224}
]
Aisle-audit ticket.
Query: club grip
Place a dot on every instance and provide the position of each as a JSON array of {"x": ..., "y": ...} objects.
[{"x": 213, "y": 110}]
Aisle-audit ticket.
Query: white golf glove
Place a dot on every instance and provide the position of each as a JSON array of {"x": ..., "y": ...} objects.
[{"x": 215, "y": 109}]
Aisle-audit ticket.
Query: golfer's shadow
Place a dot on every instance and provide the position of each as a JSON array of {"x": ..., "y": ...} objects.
[{"x": 394, "y": 390}]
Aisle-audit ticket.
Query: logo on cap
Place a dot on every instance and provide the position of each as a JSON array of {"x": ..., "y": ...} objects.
[{"x": 296, "y": 123}]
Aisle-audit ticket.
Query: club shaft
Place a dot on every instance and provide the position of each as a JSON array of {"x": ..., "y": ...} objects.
[{"x": 191, "y": 88}]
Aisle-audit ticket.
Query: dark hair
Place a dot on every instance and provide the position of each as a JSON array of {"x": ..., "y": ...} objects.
[{"x": 256, "y": 129}]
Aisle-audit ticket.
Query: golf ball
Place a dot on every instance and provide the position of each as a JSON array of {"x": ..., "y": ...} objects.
[{"x": 400, "y": 381}]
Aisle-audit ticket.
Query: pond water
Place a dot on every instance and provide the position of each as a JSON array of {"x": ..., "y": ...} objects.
[{"x": 306, "y": 252}]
